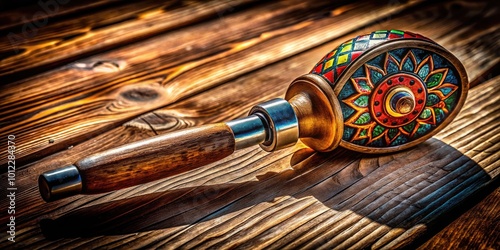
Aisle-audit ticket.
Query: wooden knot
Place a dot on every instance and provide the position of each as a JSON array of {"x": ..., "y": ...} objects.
[
  {"x": 161, "y": 121},
  {"x": 100, "y": 66},
  {"x": 140, "y": 94},
  {"x": 143, "y": 95},
  {"x": 106, "y": 66}
]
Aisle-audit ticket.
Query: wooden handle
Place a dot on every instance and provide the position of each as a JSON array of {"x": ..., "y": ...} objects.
[{"x": 154, "y": 158}]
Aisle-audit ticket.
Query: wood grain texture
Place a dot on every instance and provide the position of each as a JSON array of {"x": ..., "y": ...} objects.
[
  {"x": 204, "y": 108},
  {"x": 251, "y": 89},
  {"x": 292, "y": 198},
  {"x": 34, "y": 48},
  {"x": 155, "y": 158},
  {"x": 480, "y": 224},
  {"x": 114, "y": 87},
  {"x": 17, "y": 13}
]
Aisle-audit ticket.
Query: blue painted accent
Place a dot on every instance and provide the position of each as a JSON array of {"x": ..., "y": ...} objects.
[
  {"x": 347, "y": 111},
  {"x": 400, "y": 140},
  {"x": 375, "y": 76},
  {"x": 395, "y": 98},
  {"x": 419, "y": 54},
  {"x": 348, "y": 133},
  {"x": 377, "y": 61},
  {"x": 392, "y": 68},
  {"x": 451, "y": 77},
  {"x": 408, "y": 66},
  {"x": 424, "y": 71}
]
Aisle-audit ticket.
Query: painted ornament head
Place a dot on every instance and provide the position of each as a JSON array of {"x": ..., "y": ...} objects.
[{"x": 395, "y": 88}]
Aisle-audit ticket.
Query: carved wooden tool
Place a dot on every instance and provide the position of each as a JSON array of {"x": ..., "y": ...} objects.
[{"x": 377, "y": 93}]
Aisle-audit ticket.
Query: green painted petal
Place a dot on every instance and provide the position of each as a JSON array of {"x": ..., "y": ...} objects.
[
  {"x": 440, "y": 115},
  {"x": 377, "y": 131},
  {"x": 434, "y": 80},
  {"x": 426, "y": 113},
  {"x": 363, "y": 119},
  {"x": 392, "y": 132},
  {"x": 362, "y": 101},
  {"x": 363, "y": 132},
  {"x": 409, "y": 127},
  {"x": 451, "y": 101},
  {"x": 363, "y": 86}
]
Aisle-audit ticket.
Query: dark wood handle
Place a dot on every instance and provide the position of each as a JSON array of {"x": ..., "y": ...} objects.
[{"x": 155, "y": 158}]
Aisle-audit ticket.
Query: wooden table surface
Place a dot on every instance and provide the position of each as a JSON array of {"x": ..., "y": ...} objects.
[{"x": 80, "y": 77}]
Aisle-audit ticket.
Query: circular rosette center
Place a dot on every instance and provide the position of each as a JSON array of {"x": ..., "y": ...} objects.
[{"x": 398, "y": 100}]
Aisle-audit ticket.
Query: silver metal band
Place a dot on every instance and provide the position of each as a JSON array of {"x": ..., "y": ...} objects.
[
  {"x": 248, "y": 131},
  {"x": 283, "y": 125},
  {"x": 272, "y": 124}
]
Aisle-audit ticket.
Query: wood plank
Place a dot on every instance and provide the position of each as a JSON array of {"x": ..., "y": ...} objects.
[
  {"x": 477, "y": 228},
  {"x": 31, "y": 50},
  {"x": 202, "y": 109},
  {"x": 338, "y": 199},
  {"x": 17, "y": 13},
  {"x": 94, "y": 95},
  {"x": 244, "y": 167}
]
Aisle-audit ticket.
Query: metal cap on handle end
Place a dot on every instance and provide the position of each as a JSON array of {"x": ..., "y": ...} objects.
[{"x": 60, "y": 183}]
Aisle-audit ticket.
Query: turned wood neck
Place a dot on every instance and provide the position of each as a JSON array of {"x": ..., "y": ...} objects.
[
  {"x": 304, "y": 107},
  {"x": 318, "y": 112}
]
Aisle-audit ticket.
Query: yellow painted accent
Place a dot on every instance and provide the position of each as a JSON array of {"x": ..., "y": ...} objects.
[
  {"x": 329, "y": 63},
  {"x": 346, "y": 47},
  {"x": 342, "y": 59}
]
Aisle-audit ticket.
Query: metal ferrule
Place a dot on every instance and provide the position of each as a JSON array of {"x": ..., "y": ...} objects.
[
  {"x": 248, "y": 131},
  {"x": 60, "y": 183},
  {"x": 271, "y": 124},
  {"x": 282, "y": 123}
]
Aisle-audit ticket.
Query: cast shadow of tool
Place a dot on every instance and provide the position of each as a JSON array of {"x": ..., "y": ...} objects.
[{"x": 398, "y": 190}]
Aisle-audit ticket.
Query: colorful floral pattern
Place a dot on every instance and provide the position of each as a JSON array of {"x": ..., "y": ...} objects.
[
  {"x": 430, "y": 77},
  {"x": 433, "y": 81}
]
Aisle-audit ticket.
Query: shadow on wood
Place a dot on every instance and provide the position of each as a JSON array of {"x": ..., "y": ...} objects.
[{"x": 397, "y": 191}]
